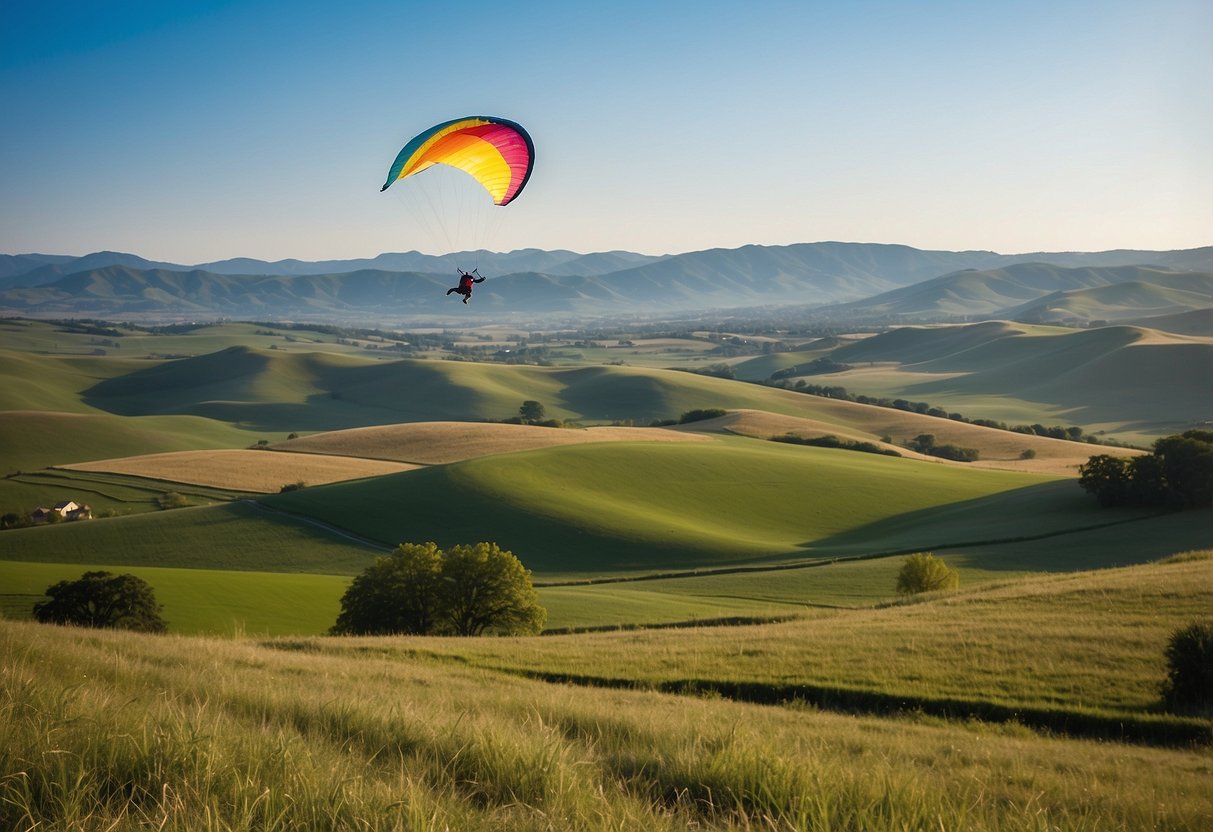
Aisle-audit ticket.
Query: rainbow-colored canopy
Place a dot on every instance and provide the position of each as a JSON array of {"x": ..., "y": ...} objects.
[{"x": 497, "y": 153}]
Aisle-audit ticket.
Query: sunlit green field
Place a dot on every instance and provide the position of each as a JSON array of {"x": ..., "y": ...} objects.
[
  {"x": 593, "y": 509},
  {"x": 110, "y": 730},
  {"x": 209, "y": 549}
]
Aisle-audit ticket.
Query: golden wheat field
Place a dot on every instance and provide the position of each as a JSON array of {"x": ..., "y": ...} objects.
[
  {"x": 244, "y": 469},
  {"x": 436, "y": 443}
]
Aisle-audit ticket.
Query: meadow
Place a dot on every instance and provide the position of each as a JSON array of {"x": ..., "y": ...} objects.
[{"x": 121, "y": 731}]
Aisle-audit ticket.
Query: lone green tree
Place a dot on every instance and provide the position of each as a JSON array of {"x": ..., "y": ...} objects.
[
  {"x": 422, "y": 589},
  {"x": 398, "y": 594},
  {"x": 103, "y": 599},
  {"x": 923, "y": 572},
  {"x": 487, "y": 588},
  {"x": 531, "y": 411}
]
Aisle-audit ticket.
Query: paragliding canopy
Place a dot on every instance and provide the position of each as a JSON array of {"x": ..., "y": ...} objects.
[{"x": 496, "y": 152}]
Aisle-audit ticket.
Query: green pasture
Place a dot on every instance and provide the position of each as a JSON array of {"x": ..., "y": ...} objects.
[
  {"x": 200, "y": 601},
  {"x": 224, "y": 602},
  {"x": 643, "y": 508},
  {"x": 30, "y": 381},
  {"x": 237, "y": 548},
  {"x": 236, "y": 536}
]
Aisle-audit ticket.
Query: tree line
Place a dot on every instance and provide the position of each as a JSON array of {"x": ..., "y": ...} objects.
[{"x": 1178, "y": 472}]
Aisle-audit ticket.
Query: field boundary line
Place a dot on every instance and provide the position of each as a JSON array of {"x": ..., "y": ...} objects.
[
  {"x": 827, "y": 560},
  {"x": 331, "y": 529}
]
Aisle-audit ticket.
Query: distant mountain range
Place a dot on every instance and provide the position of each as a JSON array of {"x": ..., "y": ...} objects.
[{"x": 849, "y": 281}]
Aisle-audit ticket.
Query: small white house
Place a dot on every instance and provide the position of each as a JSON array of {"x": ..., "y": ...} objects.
[{"x": 66, "y": 509}]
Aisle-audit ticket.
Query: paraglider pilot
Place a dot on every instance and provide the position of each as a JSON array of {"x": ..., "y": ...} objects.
[{"x": 465, "y": 283}]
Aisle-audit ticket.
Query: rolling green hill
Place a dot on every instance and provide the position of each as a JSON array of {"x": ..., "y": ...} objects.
[
  {"x": 31, "y": 439},
  {"x": 1197, "y": 322},
  {"x": 598, "y": 509},
  {"x": 232, "y": 547},
  {"x": 296, "y": 390},
  {"x": 615, "y": 508},
  {"x": 273, "y": 390},
  {"x": 1122, "y": 301},
  {"x": 1119, "y": 377}
]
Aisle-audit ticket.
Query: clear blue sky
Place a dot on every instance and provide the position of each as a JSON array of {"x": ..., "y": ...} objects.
[{"x": 197, "y": 131}]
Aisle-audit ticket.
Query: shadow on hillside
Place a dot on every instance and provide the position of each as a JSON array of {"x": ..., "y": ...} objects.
[
  {"x": 597, "y": 393},
  {"x": 1160, "y": 384},
  {"x": 1045, "y": 512},
  {"x": 256, "y": 391}
]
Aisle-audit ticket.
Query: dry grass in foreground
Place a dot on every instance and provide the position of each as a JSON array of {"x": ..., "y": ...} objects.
[
  {"x": 120, "y": 731},
  {"x": 243, "y": 470},
  {"x": 436, "y": 443}
]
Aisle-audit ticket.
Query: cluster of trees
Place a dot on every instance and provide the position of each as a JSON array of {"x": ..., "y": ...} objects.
[
  {"x": 924, "y": 443},
  {"x": 1179, "y": 472},
  {"x": 698, "y": 415},
  {"x": 421, "y": 589},
  {"x": 831, "y": 441},
  {"x": 102, "y": 599},
  {"x": 532, "y": 412}
]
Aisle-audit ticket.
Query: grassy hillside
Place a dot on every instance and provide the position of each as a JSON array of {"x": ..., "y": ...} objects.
[
  {"x": 1198, "y": 322},
  {"x": 1085, "y": 643},
  {"x": 53, "y": 382},
  {"x": 1122, "y": 301},
  {"x": 1014, "y": 372},
  {"x": 1130, "y": 381},
  {"x": 127, "y": 341},
  {"x": 652, "y": 507},
  {"x": 389, "y": 733},
  {"x": 605, "y": 508},
  {"x": 994, "y": 292},
  {"x": 273, "y": 392},
  {"x": 32, "y": 439},
  {"x": 237, "y": 536}
]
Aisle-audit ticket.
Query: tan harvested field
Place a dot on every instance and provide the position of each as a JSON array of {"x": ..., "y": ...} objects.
[
  {"x": 243, "y": 469},
  {"x": 436, "y": 443},
  {"x": 999, "y": 448}
]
